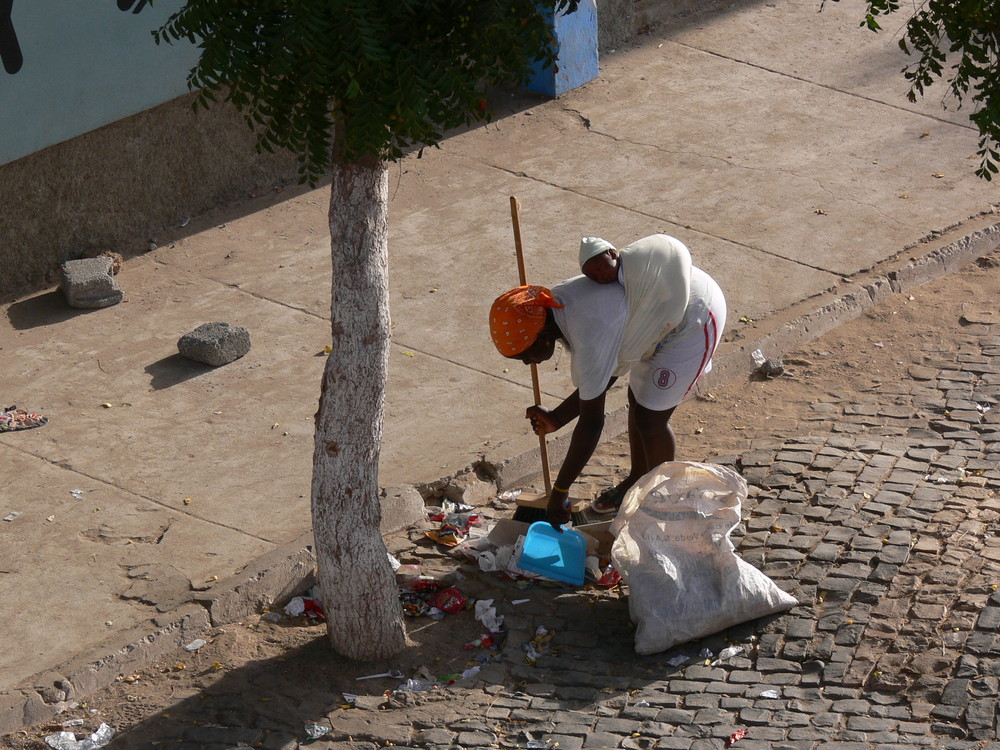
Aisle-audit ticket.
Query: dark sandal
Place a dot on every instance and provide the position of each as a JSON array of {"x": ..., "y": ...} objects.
[{"x": 609, "y": 501}]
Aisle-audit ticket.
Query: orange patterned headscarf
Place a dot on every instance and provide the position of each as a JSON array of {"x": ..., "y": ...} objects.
[{"x": 518, "y": 316}]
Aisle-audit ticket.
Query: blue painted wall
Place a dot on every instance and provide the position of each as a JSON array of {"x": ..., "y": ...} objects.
[
  {"x": 70, "y": 66},
  {"x": 576, "y": 42}
]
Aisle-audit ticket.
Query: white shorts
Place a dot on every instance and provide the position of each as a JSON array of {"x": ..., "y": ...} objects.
[{"x": 664, "y": 380}]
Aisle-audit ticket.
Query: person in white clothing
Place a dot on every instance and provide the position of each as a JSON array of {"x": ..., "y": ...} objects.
[{"x": 593, "y": 321}]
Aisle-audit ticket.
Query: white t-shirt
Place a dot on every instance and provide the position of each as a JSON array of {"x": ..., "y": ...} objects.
[{"x": 593, "y": 319}]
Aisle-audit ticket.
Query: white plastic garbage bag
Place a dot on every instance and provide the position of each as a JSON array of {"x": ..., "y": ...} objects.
[{"x": 673, "y": 549}]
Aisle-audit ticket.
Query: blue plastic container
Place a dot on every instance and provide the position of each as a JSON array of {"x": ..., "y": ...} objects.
[{"x": 555, "y": 555}]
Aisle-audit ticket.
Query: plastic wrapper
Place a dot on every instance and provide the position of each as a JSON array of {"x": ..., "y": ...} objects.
[
  {"x": 302, "y": 606},
  {"x": 414, "y": 605},
  {"x": 68, "y": 741},
  {"x": 448, "y": 535},
  {"x": 735, "y": 737},
  {"x": 315, "y": 731},
  {"x": 486, "y": 613},
  {"x": 449, "y": 600}
]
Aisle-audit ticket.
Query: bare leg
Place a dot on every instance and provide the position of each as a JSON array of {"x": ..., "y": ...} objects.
[
  {"x": 651, "y": 442},
  {"x": 655, "y": 435}
]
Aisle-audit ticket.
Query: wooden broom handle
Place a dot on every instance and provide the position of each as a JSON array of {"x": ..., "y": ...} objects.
[{"x": 536, "y": 390}]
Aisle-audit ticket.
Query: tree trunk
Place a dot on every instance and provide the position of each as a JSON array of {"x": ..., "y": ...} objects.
[{"x": 364, "y": 616}]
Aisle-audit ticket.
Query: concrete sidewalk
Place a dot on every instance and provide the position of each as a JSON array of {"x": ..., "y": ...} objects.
[{"x": 774, "y": 140}]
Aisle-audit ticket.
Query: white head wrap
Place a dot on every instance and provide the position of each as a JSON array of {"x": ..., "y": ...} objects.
[{"x": 591, "y": 246}]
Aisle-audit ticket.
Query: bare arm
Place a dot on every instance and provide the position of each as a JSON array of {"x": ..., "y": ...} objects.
[{"x": 586, "y": 435}]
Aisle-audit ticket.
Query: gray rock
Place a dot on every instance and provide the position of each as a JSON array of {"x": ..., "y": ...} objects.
[
  {"x": 470, "y": 489},
  {"x": 215, "y": 344},
  {"x": 402, "y": 507},
  {"x": 88, "y": 283}
]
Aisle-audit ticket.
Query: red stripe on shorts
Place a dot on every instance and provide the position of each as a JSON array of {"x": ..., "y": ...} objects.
[{"x": 709, "y": 349}]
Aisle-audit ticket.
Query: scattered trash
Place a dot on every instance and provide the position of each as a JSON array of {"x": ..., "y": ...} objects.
[
  {"x": 456, "y": 519},
  {"x": 515, "y": 602},
  {"x": 427, "y": 681},
  {"x": 706, "y": 654},
  {"x": 486, "y": 641},
  {"x": 486, "y": 613},
  {"x": 937, "y": 479},
  {"x": 676, "y": 661},
  {"x": 78, "y": 494},
  {"x": 431, "y": 597},
  {"x": 728, "y": 653},
  {"x": 12, "y": 515},
  {"x": 509, "y": 495},
  {"x": 735, "y": 737},
  {"x": 447, "y": 508},
  {"x": 449, "y": 535},
  {"x": 393, "y": 673},
  {"x": 769, "y": 368},
  {"x": 68, "y": 741},
  {"x": 315, "y": 731},
  {"x": 13, "y": 419},
  {"x": 73, "y": 723},
  {"x": 538, "y": 645},
  {"x": 394, "y": 563},
  {"x": 450, "y": 600},
  {"x": 195, "y": 644},
  {"x": 770, "y": 694},
  {"x": 414, "y": 685},
  {"x": 303, "y": 606}
]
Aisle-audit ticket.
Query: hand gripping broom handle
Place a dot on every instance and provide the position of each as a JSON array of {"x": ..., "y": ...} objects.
[{"x": 536, "y": 390}]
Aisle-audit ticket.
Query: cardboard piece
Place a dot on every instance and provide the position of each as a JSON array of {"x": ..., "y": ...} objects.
[{"x": 537, "y": 499}]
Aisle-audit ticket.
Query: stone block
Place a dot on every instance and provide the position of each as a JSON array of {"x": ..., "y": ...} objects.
[
  {"x": 401, "y": 506},
  {"x": 470, "y": 489},
  {"x": 89, "y": 284},
  {"x": 215, "y": 344}
]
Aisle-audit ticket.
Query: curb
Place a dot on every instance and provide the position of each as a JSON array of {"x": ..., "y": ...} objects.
[{"x": 279, "y": 574}]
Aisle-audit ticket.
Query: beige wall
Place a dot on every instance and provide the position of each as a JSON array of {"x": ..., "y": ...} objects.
[{"x": 115, "y": 187}]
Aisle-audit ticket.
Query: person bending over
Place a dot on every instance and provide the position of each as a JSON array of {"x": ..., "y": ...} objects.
[{"x": 591, "y": 320}]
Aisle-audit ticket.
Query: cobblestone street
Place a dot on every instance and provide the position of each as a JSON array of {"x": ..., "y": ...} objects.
[{"x": 877, "y": 507}]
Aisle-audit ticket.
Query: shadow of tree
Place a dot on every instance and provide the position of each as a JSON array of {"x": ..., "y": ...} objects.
[{"x": 296, "y": 680}]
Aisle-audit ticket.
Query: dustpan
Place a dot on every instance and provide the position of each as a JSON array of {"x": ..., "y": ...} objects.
[{"x": 553, "y": 554}]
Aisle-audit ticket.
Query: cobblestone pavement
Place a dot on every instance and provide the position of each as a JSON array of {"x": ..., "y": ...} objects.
[{"x": 879, "y": 512}]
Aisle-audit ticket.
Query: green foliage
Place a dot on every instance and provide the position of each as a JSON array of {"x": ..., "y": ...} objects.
[
  {"x": 955, "y": 40},
  {"x": 391, "y": 73}
]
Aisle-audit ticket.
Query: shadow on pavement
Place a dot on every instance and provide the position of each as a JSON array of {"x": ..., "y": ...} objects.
[
  {"x": 173, "y": 370},
  {"x": 45, "y": 309}
]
